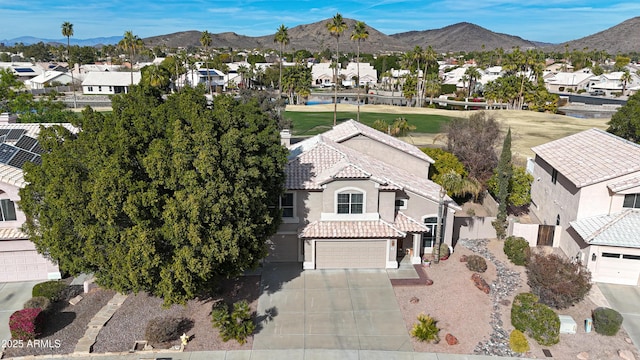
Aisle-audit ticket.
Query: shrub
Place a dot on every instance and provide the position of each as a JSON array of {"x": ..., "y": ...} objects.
[
  {"x": 23, "y": 324},
  {"x": 238, "y": 325},
  {"x": 521, "y": 310},
  {"x": 166, "y": 328},
  {"x": 476, "y": 263},
  {"x": 38, "y": 302},
  {"x": 517, "y": 250},
  {"x": 444, "y": 250},
  {"x": 426, "y": 329},
  {"x": 537, "y": 320},
  {"x": 518, "y": 342},
  {"x": 49, "y": 289},
  {"x": 557, "y": 282},
  {"x": 606, "y": 321}
]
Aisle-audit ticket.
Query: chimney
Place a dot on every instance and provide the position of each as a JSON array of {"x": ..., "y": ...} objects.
[{"x": 285, "y": 138}]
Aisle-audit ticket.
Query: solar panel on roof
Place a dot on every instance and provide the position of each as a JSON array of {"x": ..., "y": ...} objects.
[
  {"x": 37, "y": 160},
  {"x": 26, "y": 142},
  {"x": 24, "y": 70},
  {"x": 21, "y": 157},
  {"x": 4, "y": 131},
  {"x": 37, "y": 149},
  {"x": 7, "y": 152},
  {"x": 14, "y": 134}
]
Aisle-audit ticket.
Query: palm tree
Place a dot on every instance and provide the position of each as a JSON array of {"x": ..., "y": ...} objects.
[
  {"x": 625, "y": 78},
  {"x": 130, "y": 43},
  {"x": 474, "y": 74},
  {"x": 205, "y": 41},
  {"x": 281, "y": 37},
  {"x": 336, "y": 27},
  {"x": 360, "y": 33},
  {"x": 67, "y": 31},
  {"x": 457, "y": 185}
]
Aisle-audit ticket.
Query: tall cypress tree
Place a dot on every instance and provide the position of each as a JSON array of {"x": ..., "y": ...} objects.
[{"x": 505, "y": 172}]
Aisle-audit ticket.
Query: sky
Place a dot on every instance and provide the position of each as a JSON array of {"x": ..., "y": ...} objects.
[{"x": 553, "y": 21}]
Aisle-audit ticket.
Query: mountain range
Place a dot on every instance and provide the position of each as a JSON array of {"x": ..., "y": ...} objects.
[{"x": 621, "y": 38}]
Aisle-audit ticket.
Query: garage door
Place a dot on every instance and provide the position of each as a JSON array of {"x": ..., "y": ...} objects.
[
  {"x": 22, "y": 266},
  {"x": 617, "y": 268},
  {"x": 283, "y": 248},
  {"x": 351, "y": 254}
]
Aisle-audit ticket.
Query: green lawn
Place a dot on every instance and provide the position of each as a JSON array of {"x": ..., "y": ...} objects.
[{"x": 312, "y": 123}]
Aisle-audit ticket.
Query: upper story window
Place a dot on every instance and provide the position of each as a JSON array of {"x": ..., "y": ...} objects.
[
  {"x": 286, "y": 204},
  {"x": 350, "y": 202},
  {"x": 631, "y": 201},
  {"x": 554, "y": 176},
  {"x": 401, "y": 203},
  {"x": 8, "y": 210}
]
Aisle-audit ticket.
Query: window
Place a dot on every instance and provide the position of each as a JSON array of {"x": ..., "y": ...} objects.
[
  {"x": 350, "y": 203},
  {"x": 100, "y": 88},
  {"x": 8, "y": 210},
  {"x": 558, "y": 219},
  {"x": 286, "y": 204},
  {"x": 611, "y": 255},
  {"x": 631, "y": 257},
  {"x": 401, "y": 203},
  {"x": 631, "y": 201},
  {"x": 90, "y": 88},
  {"x": 554, "y": 176},
  {"x": 429, "y": 238}
]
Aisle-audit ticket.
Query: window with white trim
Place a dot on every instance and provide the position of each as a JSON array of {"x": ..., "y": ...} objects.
[
  {"x": 429, "y": 237},
  {"x": 401, "y": 204},
  {"x": 286, "y": 204},
  {"x": 350, "y": 202},
  {"x": 8, "y": 210}
]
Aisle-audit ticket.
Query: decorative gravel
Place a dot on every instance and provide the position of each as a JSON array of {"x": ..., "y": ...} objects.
[
  {"x": 64, "y": 324},
  {"x": 128, "y": 323}
]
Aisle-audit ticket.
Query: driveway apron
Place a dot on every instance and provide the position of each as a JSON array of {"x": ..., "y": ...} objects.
[
  {"x": 328, "y": 309},
  {"x": 625, "y": 299},
  {"x": 13, "y": 295}
]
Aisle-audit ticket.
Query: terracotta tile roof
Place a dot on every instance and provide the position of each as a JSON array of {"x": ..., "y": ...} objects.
[
  {"x": 625, "y": 184},
  {"x": 319, "y": 160},
  {"x": 620, "y": 229},
  {"x": 12, "y": 234},
  {"x": 12, "y": 175},
  {"x": 408, "y": 224},
  {"x": 351, "y": 128},
  {"x": 591, "y": 156},
  {"x": 365, "y": 229}
]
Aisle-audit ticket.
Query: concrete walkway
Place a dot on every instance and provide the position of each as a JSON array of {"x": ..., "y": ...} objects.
[
  {"x": 625, "y": 299},
  {"x": 85, "y": 344}
]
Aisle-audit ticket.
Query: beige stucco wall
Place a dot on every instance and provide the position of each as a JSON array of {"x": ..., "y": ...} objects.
[
  {"x": 387, "y": 203},
  {"x": 389, "y": 155},
  {"x": 11, "y": 192},
  {"x": 368, "y": 187}
]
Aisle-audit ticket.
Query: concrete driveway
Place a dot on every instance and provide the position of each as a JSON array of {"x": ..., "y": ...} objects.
[
  {"x": 626, "y": 300},
  {"x": 12, "y": 297},
  {"x": 328, "y": 309}
]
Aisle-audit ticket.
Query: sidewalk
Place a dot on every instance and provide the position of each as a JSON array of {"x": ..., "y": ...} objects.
[{"x": 298, "y": 354}]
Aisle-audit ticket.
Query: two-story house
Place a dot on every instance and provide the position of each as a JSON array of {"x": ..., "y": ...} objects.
[
  {"x": 19, "y": 260},
  {"x": 589, "y": 184},
  {"x": 358, "y": 198}
]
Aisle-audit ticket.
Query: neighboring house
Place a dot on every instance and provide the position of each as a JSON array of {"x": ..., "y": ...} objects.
[
  {"x": 368, "y": 74},
  {"x": 49, "y": 77},
  {"x": 568, "y": 81},
  {"x": 194, "y": 78},
  {"x": 589, "y": 184},
  {"x": 108, "y": 83},
  {"x": 612, "y": 83},
  {"x": 24, "y": 71},
  {"x": 322, "y": 75},
  {"x": 19, "y": 260},
  {"x": 358, "y": 198}
]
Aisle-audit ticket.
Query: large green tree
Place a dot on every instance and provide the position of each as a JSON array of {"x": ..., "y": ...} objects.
[
  {"x": 504, "y": 172},
  {"x": 165, "y": 196},
  {"x": 626, "y": 121}
]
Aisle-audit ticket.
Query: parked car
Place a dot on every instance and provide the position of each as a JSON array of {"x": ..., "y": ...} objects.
[{"x": 597, "y": 93}]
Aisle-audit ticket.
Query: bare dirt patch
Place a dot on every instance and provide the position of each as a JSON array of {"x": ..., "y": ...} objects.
[{"x": 464, "y": 311}]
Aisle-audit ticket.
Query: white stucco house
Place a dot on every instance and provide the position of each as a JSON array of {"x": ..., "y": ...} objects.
[
  {"x": 19, "y": 260},
  {"x": 611, "y": 83},
  {"x": 358, "y": 198},
  {"x": 47, "y": 78},
  {"x": 322, "y": 74},
  {"x": 109, "y": 83},
  {"x": 569, "y": 81},
  {"x": 589, "y": 184}
]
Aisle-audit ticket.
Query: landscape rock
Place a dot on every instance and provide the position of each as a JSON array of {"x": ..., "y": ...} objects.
[
  {"x": 480, "y": 283},
  {"x": 414, "y": 300},
  {"x": 451, "y": 340},
  {"x": 626, "y": 355},
  {"x": 463, "y": 258},
  {"x": 628, "y": 340},
  {"x": 583, "y": 356},
  {"x": 75, "y": 300},
  {"x": 428, "y": 282}
]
